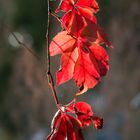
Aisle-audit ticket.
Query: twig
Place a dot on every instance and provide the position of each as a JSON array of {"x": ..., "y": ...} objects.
[
  {"x": 72, "y": 102},
  {"x": 55, "y": 15},
  {"x": 49, "y": 75},
  {"x": 25, "y": 46}
]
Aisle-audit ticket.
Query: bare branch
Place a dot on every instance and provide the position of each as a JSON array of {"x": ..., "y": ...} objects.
[
  {"x": 49, "y": 75},
  {"x": 25, "y": 46},
  {"x": 55, "y": 15}
]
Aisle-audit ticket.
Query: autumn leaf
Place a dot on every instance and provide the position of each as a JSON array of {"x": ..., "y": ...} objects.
[
  {"x": 65, "y": 126},
  {"x": 66, "y": 45},
  {"x": 83, "y": 59},
  {"x": 86, "y": 73},
  {"x": 66, "y": 5},
  {"x": 83, "y": 112},
  {"x": 93, "y": 33},
  {"x": 83, "y": 62},
  {"x": 76, "y": 12},
  {"x": 101, "y": 56},
  {"x": 58, "y": 127},
  {"x": 73, "y": 22},
  {"x": 90, "y": 66},
  {"x": 85, "y": 115},
  {"x": 69, "y": 121},
  {"x": 61, "y": 43},
  {"x": 77, "y": 128},
  {"x": 68, "y": 61}
]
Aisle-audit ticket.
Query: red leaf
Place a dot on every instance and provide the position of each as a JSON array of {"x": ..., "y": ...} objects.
[
  {"x": 67, "y": 5},
  {"x": 56, "y": 120},
  {"x": 98, "y": 122},
  {"x": 101, "y": 56},
  {"x": 89, "y": 3},
  {"x": 84, "y": 63},
  {"x": 86, "y": 72},
  {"x": 68, "y": 61},
  {"x": 73, "y": 129},
  {"x": 74, "y": 20},
  {"x": 61, "y": 43},
  {"x": 90, "y": 66},
  {"x": 65, "y": 126},
  {"x": 94, "y": 33},
  {"x": 58, "y": 127},
  {"x": 84, "y": 112},
  {"x": 85, "y": 115},
  {"x": 77, "y": 128},
  {"x": 83, "y": 107},
  {"x": 87, "y": 13},
  {"x": 73, "y": 23}
]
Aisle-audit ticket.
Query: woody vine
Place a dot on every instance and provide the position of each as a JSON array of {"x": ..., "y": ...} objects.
[{"x": 83, "y": 59}]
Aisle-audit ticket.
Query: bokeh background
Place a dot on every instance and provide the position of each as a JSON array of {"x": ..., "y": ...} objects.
[{"x": 26, "y": 104}]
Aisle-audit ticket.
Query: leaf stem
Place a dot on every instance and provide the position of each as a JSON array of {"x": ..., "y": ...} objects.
[
  {"x": 55, "y": 15},
  {"x": 59, "y": 19},
  {"x": 49, "y": 74}
]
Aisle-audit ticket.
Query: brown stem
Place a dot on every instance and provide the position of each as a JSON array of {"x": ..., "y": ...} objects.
[
  {"x": 49, "y": 75},
  {"x": 55, "y": 15},
  {"x": 25, "y": 46}
]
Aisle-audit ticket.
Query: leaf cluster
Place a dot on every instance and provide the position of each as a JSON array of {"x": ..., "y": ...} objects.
[{"x": 83, "y": 59}]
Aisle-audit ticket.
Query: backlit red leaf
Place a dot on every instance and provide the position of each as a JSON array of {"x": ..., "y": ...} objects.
[
  {"x": 61, "y": 43},
  {"x": 84, "y": 112},
  {"x": 82, "y": 58},
  {"x": 89, "y": 3},
  {"x": 65, "y": 126},
  {"x": 85, "y": 115},
  {"x": 84, "y": 63},
  {"x": 68, "y": 124},
  {"x": 87, "y": 13},
  {"x": 94, "y": 33},
  {"x": 77, "y": 128},
  {"x": 86, "y": 72},
  {"x": 58, "y": 129},
  {"x": 73, "y": 23},
  {"x": 68, "y": 61},
  {"x": 76, "y": 13},
  {"x": 101, "y": 56},
  {"x": 67, "y": 5}
]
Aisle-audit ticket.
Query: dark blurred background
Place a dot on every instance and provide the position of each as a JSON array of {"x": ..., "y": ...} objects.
[{"x": 26, "y": 104}]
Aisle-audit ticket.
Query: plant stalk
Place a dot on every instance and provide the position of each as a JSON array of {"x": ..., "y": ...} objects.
[{"x": 49, "y": 74}]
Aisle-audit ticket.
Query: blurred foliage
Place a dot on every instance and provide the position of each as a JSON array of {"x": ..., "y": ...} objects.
[{"x": 32, "y": 16}]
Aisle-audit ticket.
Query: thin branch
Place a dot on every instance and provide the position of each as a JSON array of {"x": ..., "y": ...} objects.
[
  {"x": 72, "y": 102},
  {"x": 25, "y": 46},
  {"x": 55, "y": 15},
  {"x": 49, "y": 75}
]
